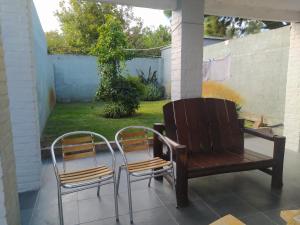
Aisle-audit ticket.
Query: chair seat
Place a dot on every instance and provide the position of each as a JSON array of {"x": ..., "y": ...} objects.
[
  {"x": 85, "y": 175},
  {"x": 147, "y": 165}
]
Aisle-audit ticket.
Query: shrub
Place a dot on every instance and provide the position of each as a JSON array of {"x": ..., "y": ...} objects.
[
  {"x": 137, "y": 84},
  {"x": 114, "y": 110},
  {"x": 125, "y": 100},
  {"x": 153, "y": 92}
]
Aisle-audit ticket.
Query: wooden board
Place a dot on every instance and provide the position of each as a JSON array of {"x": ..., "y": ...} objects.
[{"x": 228, "y": 220}]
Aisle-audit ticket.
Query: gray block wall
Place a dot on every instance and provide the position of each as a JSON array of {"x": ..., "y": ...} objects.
[
  {"x": 77, "y": 79},
  {"x": 258, "y": 70},
  {"x": 44, "y": 72}
]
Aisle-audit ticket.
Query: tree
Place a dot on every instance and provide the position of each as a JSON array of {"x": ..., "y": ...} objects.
[
  {"x": 115, "y": 89},
  {"x": 80, "y": 22},
  {"x": 225, "y": 26},
  {"x": 149, "y": 39}
]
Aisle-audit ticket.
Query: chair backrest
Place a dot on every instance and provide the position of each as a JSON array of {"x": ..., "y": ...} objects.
[
  {"x": 137, "y": 138},
  {"x": 204, "y": 125},
  {"x": 79, "y": 147},
  {"x": 134, "y": 140}
]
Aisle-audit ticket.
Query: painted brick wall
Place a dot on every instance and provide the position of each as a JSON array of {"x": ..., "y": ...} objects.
[
  {"x": 9, "y": 207},
  {"x": 44, "y": 71},
  {"x": 17, "y": 34},
  {"x": 292, "y": 98},
  {"x": 77, "y": 79}
]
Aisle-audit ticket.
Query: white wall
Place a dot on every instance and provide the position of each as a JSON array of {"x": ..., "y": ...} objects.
[
  {"x": 17, "y": 34},
  {"x": 258, "y": 69},
  {"x": 9, "y": 207},
  {"x": 44, "y": 72},
  {"x": 77, "y": 79}
]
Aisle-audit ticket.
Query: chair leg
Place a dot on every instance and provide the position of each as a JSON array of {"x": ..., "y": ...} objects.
[
  {"x": 174, "y": 180},
  {"x": 60, "y": 207},
  {"x": 98, "y": 190},
  {"x": 118, "y": 180},
  {"x": 149, "y": 182},
  {"x": 116, "y": 198},
  {"x": 129, "y": 197}
]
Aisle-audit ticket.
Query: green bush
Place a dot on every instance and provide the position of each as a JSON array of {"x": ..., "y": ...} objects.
[
  {"x": 153, "y": 92},
  {"x": 125, "y": 100},
  {"x": 137, "y": 84}
]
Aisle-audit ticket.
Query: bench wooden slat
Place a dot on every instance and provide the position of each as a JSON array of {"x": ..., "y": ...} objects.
[{"x": 127, "y": 135}]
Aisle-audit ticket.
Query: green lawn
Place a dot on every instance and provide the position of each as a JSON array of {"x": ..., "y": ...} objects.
[{"x": 88, "y": 116}]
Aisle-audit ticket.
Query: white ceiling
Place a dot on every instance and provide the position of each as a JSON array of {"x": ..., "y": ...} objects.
[{"x": 278, "y": 10}]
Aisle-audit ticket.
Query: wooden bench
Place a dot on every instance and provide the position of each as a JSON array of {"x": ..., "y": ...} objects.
[{"x": 208, "y": 138}]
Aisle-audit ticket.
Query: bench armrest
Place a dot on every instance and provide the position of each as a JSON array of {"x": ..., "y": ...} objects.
[{"x": 261, "y": 135}]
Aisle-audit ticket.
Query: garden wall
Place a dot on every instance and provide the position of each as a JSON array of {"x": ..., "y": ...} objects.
[
  {"x": 44, "y": 72},
  {"x": 258, "y": 70},
  {"x": 77, "y": 79}
]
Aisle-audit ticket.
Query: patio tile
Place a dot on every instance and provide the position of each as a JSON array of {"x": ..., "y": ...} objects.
[
  {"x": 196, "y": 213},
  {"x": 148, "y": 217},
  {"x": 257, "y": 219},
  {"x": 230, "y": 204},
  {"x": 28, "y": 199},
  {"x": 26, "y": 216},
  {"x": 49, "y": 216},
  {"x": 95, "y": 209},
  {"x": 262, "y": 200}
]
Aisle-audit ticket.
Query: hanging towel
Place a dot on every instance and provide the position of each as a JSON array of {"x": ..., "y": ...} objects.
[{"x": 217, "y": 70}]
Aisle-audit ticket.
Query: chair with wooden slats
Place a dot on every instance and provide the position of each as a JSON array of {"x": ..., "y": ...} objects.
[
  {"x": 79, "y": 145},
  {"x": 135, "y": 139}
]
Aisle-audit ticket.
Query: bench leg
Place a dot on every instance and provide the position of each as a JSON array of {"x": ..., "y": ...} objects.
[
  {"x": 181, "y": 191},
  {"x": 181, "y": 179},
  {"x": 278, "y": 155}
]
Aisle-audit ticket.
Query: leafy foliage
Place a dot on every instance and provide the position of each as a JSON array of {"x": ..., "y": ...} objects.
[
  {"x": 81, "y": 20},
  {"x": 122, "y": 96},
  {"x": 152, "y": 89}
]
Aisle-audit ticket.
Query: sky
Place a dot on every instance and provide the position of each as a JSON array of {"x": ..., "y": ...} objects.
[{"x": 151, "y": 17}]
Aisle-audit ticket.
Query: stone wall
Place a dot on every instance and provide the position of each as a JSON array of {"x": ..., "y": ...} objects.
[{"x": 9, "y": 206}]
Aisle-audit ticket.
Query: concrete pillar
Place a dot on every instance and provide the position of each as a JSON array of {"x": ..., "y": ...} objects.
[
  {"x": 187, "y": 49},
  {"x": 20, "y": 67},
  {"x": 9, "y": 206},
  {"x": 292, "y": 98}
]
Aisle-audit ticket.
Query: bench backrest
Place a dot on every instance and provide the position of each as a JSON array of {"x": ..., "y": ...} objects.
[{"x": 204, "y": 125}]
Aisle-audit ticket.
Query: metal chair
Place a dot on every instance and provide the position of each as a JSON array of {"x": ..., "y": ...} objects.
[
  {"x": 136, "y": 138},
  {"x": 78, "y": 145}
]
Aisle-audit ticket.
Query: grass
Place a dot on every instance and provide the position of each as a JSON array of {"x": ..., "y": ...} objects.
[{"x": 88, "y": 116}]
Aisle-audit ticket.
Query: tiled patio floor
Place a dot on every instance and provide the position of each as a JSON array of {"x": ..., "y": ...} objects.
[{"x": 246, "y": 195}]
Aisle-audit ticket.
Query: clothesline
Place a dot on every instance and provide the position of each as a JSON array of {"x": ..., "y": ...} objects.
[{"x": 217, "y": 69}]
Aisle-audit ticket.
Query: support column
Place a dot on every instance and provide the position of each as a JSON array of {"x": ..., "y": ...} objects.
[
  {"x": 292, "y": 98},
  {"x": 187, "y": 49}
]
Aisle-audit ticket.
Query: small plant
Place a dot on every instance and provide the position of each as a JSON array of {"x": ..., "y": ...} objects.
[
  {"x": 151, "y": 77},
  {"x": 153, "y": 91}
]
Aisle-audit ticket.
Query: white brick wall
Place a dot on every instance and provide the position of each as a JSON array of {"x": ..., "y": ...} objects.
[
  {"x": 9, "y": 208},
  {"x": 292, "y": 99},
  {"x": 17, "y": 37},
  {"x": 187, "y": 49}
]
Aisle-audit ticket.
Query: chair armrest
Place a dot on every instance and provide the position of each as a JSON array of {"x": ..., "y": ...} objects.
[{"x": 261, "y": 135}]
